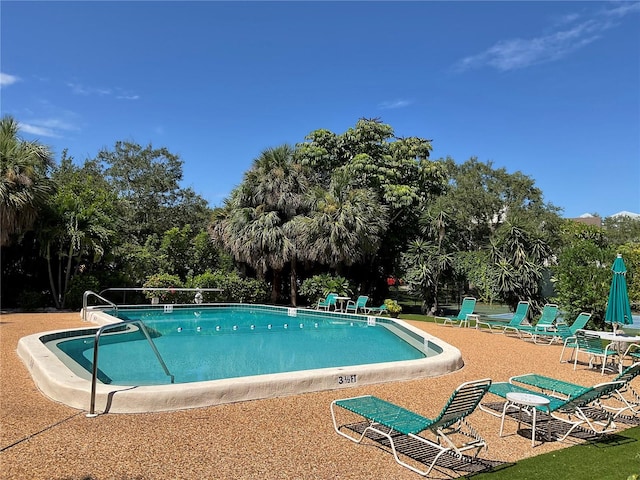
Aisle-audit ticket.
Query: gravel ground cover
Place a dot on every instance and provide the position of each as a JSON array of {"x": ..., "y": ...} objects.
[{"x": 283, "y": 438}]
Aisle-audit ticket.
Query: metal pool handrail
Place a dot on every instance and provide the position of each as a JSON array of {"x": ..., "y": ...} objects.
[
  {"x": 159, "y": 289},
  {"x": 99, "y": 296},
  {"x": 94, "y": 371},
  {"x": 85, "y": 297}
]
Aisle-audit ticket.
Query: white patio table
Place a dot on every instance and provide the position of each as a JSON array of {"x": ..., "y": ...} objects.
[{"x": 343, "y": 301}]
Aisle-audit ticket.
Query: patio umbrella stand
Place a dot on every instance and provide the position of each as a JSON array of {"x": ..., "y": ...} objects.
[{"x": 618, "y": 307}]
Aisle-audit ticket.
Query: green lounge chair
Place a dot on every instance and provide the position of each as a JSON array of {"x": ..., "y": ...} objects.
[
  {"x": 591, "y": 345},
  {"x": 387, "y": 419},
  {"x": 625, "y": 394},
  {"x": 359, "y": 304},
  {"x": 467, "y": 307},
  {"x": 519, "y": 316},
  {"x": 563, "y": 333},
  {"x": 573, "y": 411},
  {"x": 544, "y": 323},
  {"x": 549, "y": 386},
  {"x": 328, "y": 302},
  {"x": 381, "y": 310}
]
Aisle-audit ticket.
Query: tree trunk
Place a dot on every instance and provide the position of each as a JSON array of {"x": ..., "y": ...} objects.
[
  {"x": 276, "y": 286},
  {"x": 294, "y": 282},
  {"x": 52, "y": 283},
  {"x": 59, "y": 302},
  {"x": 67, "y": 278}
]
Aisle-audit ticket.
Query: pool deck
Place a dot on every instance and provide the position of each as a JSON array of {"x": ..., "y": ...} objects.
[{"x": 276, "y": 438}]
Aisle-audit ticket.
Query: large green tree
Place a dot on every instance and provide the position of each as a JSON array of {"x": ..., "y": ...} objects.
[
  {"x": 79, "y": 226},
  {"x": 520, "y": 256},
  {"x": 345, "y": 224},
  {"x": 429, "y": 258},
  {"x": 479, "y": 234},
  {"x": 622, "y": 229},
  {"x": 631, "y": 254},
  {"x": 184, "y": 253},
  {"x": 147, "y": 181},
  {"x": 257, "y": 224},
  {"x": 582, "y": 275},
  {"x": 396, "y": 171},
  {"x": 480, "y": 198},
  {"x": 24, "y": 183}
]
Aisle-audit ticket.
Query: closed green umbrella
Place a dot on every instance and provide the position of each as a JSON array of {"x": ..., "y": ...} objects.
[{"x": 618, "y": 307}]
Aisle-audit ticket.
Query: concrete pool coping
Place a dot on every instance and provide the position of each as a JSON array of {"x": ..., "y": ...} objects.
[{"x": 60, "y": 384}]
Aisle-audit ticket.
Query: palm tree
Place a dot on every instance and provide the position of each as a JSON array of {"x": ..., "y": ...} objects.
[
  {"x": 520, "y": 255},
  {"x": 24, "y": 186},
  {"x": 345, "y": 226},
  {"x": 258, "y": 227},
  {"x": 76, "y": 228}
]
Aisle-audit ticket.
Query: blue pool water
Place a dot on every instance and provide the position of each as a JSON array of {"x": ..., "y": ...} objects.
[{"x": 199, "y": 344}]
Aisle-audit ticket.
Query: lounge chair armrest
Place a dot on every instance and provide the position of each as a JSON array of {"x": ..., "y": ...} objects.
[{"x": 632, "y": 347}]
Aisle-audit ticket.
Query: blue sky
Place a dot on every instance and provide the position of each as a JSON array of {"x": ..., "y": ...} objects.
[{"x": 551, "y": 89}]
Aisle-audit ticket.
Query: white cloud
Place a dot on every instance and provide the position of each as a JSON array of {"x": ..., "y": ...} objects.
[
  {"x": 118, "y": 93},
  {"x": 128, "y": 97},
  {"x": 521, "y": 53},
  {"x": 394, "y": 104},
  {"x": 80, "y": 89},
  {"x": 6, "y": 79},
  {"x": 40, "y": 131},
  {"x": 622, "y": 8},
  {"x": 48, "y": 127}
]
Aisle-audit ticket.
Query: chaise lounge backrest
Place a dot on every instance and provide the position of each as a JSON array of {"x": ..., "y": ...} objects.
[{"x": 462, "y": 402}]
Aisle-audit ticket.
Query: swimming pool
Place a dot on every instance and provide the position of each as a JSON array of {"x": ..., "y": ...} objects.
[{"x": 227, "y": 353}]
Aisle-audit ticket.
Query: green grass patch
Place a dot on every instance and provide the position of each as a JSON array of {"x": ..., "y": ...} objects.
[
  {"x": 615, "y": 457},
  {"x": 416, "y": 317}
]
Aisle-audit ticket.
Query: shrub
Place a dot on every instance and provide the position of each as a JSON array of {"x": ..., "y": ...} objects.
[
  {"x": 235, "y": 289},
  {"x": 319, "y": 286},
  {"x": 77, "y": 286},
  {"x": 30, "y": 300},
  {"x": 166, "y": 280},
  {"x": 393, "y": 306}
]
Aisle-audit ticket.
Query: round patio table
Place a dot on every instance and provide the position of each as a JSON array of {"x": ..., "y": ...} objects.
[
  {"x": 342, "y": 301},
  {"x": 521, "y": 401}
]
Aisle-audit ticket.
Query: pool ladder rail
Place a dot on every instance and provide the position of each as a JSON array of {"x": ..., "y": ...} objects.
[{"x": 94, "y": 371}]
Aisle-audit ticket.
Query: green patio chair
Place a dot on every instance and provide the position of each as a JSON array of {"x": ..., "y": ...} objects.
[
  {"x": 359, "y": 304},
  {"x": 519, "y": 316},
  {"x": 573, "y": 411},
  {"x": 633, "y": 352},
  {"x": 544, "y": 323},
  {"x": 328, "y": 302},
  {"x": 467, "y": 308},
  {"x": 591, "y": 345},
  {"x": 389, "y": 420}
]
